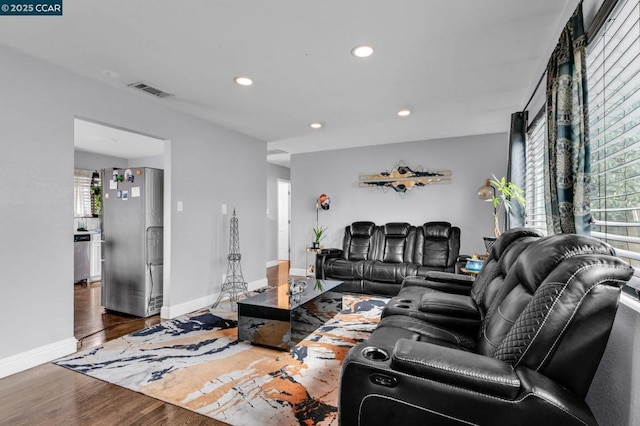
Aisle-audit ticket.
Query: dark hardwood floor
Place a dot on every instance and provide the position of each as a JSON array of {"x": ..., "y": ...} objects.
[
  {"x": 93, "y": 325},
  {"x": 52, "y": 395}
]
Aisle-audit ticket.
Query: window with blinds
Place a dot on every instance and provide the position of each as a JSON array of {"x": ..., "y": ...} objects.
[
  {"x": 82, "y": 192},
  {"x": 613, "y": 74},
  {"x": 534, "y": 175}
]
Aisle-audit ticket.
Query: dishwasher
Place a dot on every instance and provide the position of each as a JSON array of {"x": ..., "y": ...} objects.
[{"x": 81, "y": 258}]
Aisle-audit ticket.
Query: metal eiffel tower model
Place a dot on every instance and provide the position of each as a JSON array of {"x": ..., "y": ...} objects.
[{"x": 234, "y": 284}]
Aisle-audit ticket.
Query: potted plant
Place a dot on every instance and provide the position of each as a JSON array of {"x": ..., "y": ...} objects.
[
  {"x": 96, "y": 199},
  {"x": 318, "y": 235},
  {"x": 500, "y": 192}
]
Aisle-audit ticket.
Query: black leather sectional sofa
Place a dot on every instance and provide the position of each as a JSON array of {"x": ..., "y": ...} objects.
[
  {"x": 517, "y": 346},
  {"x": 376, "y": 259}
]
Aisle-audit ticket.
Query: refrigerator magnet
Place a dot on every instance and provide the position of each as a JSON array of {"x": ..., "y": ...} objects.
[
  {"x": 135, "y": 191},
  {"x": 113, "y": 184},
  {"x": 125, "y": 195},
  {"x": 119, "y": 194},
  {"x": 128, "y": 175}
]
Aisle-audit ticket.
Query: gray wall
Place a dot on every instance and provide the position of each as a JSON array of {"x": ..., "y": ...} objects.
[
  {"x": 274, "y": 172},
  {"x": 471, "y": 160},
  {"x": 37, "y": 109},
  {"x": 614, "y": 396},
  {"x": 91, "y": 161}
]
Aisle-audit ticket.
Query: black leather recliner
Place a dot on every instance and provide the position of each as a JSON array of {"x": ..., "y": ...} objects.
[
  {"x": 461, "y": 301},
  {"x": 376, "y": 259},
  {"x": 530, "y": 363}
]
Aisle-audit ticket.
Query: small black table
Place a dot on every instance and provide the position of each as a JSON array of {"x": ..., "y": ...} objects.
[{"x": 278, "y": 320}]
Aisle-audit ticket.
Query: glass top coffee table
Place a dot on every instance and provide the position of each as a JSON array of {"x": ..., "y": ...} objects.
[{"x": 278, "y": 320}]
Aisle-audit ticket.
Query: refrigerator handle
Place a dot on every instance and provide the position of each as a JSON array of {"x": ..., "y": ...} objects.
[{"x": 154, "y": 246}]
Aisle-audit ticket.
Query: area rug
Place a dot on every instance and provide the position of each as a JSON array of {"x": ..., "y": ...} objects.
[{"x": 196, "y": 362}]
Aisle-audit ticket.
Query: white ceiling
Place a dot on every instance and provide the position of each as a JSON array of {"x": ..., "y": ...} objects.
[
  {"x": 462, "y": 66},
  {"x": 107, "y": 140}
]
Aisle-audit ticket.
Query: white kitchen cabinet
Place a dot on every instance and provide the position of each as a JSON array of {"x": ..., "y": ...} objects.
[{"x": 95, "y": 265}]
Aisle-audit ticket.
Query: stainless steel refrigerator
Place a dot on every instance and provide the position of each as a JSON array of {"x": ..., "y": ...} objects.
[{"x": 132, "y": 234}]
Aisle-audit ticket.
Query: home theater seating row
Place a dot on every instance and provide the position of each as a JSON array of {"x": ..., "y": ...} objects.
[
  {"x": 376, "y": 259},
  {"x": 519, "y": 345}
]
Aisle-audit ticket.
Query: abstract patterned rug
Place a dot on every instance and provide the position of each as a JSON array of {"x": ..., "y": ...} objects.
[{"x": 196, "y": 362}]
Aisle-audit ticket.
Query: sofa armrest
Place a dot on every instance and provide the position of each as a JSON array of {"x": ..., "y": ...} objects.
[
  {"x": 448, "y": 304},
  {"x": 331, "y": 251},
  {"x": 449, "y": 277},
  {"x": 322, "y": 257},
  {"x": 455, "y": 367},
  {"x": 459, "y": 389},
  {"x": 442, "y": 281}
]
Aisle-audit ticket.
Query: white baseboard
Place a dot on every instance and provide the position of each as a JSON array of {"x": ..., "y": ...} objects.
[
  {"x": 272, "y": 263},
  {"x": 254, "y": 285},
  {"x": 25, "y": 360},
  {"x": 173, "y": 311},
  {"x": 297, "y": 271}
]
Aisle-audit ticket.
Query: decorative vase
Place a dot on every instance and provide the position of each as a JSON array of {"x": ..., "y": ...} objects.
[{"x": 315, "y": 245}]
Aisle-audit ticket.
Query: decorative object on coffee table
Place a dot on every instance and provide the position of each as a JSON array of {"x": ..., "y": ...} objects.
[
  {"x": 234, "y": 284},
  {"x": 403, "y": 179}
]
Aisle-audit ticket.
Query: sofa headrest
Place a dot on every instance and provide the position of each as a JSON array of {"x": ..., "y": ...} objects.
[
  {"x": 511, "y": 254},
  {"x": 437, "y": 230},
  {"x": 396, "y": 229},
  {"x": 362, "y": 229},
  {"x": 541, "y": 257},
  {"x": 509, "y": 236}
]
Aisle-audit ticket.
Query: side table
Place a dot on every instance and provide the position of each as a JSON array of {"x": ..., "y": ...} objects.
[{"x": 310, "y": 269}]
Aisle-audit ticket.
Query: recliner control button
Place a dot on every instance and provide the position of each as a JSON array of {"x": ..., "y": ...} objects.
[{"x": 383, "y": 380}]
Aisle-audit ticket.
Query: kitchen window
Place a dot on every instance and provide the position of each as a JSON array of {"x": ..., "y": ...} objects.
[{"x": 82, "y": 192}]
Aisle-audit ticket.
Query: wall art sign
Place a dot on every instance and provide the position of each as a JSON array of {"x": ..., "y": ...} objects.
[{"x": 403, "y": 178}]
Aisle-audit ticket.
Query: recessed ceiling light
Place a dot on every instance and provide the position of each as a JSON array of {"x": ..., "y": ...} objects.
[
  {"x": 315, "y": 125},
  {"x": 110, "y": 74},
  {"x": 362, "y": 51},
  {"x": 243, "y": 81},
  {"x": 404, "y": 113}
]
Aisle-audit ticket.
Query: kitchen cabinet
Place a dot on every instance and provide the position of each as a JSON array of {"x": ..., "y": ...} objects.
[{"x": 95, "y": 265}]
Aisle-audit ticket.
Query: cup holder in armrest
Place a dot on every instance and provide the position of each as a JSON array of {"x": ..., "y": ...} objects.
[
  {"x": 403, "y": 306},
  {"x": 375, "y": 354}
]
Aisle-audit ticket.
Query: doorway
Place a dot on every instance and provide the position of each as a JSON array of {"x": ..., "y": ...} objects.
[
  {"x": 100, "y": 146},
  {"x": 284, "y": 228}
]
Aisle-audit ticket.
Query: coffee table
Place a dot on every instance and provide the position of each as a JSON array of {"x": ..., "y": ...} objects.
[{"x": 277, "y": 320}]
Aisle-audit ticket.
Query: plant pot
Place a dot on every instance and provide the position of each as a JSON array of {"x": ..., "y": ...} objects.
[
  {"x": 489, "y": 242},
  {"x": 315, "y": 245}
]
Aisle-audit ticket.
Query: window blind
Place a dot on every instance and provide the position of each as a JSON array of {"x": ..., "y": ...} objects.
[
  {"x": 613, "y": 75},
  {"x": 82, "y": 192},
  {"x": 534, "y": 175}
]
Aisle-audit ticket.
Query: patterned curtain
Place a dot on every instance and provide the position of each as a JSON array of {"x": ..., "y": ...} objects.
[{"x": 567, "y": 179}]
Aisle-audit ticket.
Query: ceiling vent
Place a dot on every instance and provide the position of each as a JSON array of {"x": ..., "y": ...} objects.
[{"x": 149, "y": 89}]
